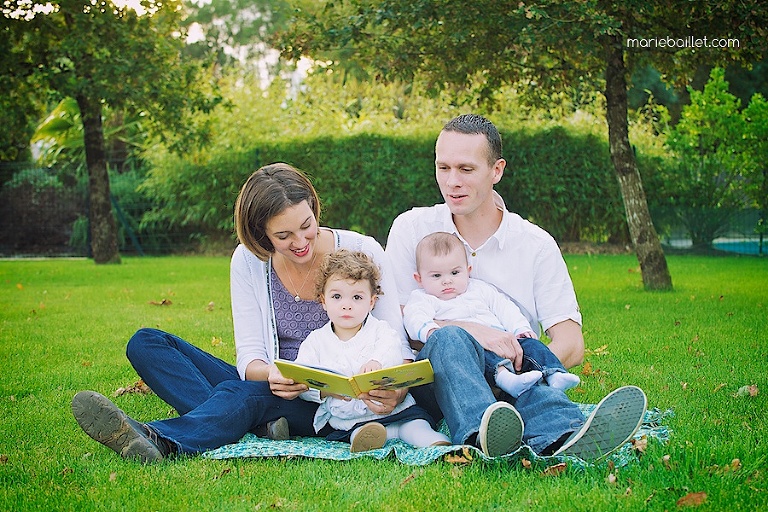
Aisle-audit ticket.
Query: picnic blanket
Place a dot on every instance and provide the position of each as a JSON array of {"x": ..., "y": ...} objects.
[{"x": 317, "y": 447}]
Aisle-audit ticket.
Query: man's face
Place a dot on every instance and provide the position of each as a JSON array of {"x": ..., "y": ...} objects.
[{"x": 463, "y": 173}]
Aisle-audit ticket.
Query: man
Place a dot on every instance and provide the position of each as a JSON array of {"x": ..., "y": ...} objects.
[{"x": 524, "y": 262}]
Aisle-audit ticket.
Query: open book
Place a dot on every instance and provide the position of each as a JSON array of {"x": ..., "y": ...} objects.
[{"x": 395, "y": 377}]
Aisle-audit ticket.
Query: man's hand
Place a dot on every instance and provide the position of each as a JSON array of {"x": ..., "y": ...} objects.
[
  {"x": 282, "y": 387},
  {"x": 501, "y": 343}
]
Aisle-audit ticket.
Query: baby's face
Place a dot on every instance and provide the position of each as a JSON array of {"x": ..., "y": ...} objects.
[{"x": 444, "y": 276}]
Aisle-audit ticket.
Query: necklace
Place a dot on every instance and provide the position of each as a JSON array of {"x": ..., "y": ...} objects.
[{"x": 296, "y": 297}]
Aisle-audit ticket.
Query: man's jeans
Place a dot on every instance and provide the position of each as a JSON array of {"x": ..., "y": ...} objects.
[
  {"x": 216, "y": 407},
  {"x": 536, "y": 356},
  {"x": 462, "y": 393}
]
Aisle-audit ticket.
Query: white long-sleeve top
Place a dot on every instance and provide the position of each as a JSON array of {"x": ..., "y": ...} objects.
[
  {"x": 253, "y": 312},
  {"x": 481, "y": 303},
  {"x": 520, "y": 259},
  {"x": 375, "y": 340}
]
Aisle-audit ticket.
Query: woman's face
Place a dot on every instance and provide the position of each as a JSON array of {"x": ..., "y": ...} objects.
[{"x": 293, "y": 232}]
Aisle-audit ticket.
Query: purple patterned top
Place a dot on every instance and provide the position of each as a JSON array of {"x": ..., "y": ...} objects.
[{"x": 295, "y": 320}]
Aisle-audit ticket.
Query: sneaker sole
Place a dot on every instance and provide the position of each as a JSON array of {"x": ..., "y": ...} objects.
[
  {"x": 371, "y": 436},
  {"x": 104, "y": 422},
  {"x": 278, "y": 430},
  {"x": 501, "y": 430},
  {"x": 613, "y": 422}
]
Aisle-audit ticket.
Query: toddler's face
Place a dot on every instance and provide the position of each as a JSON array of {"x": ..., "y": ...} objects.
[
  {"x": 347, "y": 302},
  {"x": 444, "y": 276}
]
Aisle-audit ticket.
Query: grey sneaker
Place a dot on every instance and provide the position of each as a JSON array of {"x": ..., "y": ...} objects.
[
  {"x": 370, "y": 436},
  {"x": 278, "y": 430},
  {"x": 107, "y": 424},
  {"x": 501, "y": 430},
  {"x": 613, "y": 422}
]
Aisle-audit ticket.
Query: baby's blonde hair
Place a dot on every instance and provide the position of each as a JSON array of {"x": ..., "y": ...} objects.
[
  {"x": 438, "y": 244},
  {"x": 348, "y": 265}
]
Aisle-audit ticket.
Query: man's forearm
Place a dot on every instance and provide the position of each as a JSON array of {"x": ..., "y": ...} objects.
[{"x": 567, "y": 343}]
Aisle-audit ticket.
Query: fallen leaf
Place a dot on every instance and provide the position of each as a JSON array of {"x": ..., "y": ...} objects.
[
  {"x": 164, "y": 302},
  {"x": 211, "y": 306},
  {"x": 748, "y": 391},
  {"x": 224, "y": 471},
  {"x": 19, "y": 286},
  {"x": 86, "y": 364},
  {"x": 693, "y": 499},
  {"x": 628, "y": 492},
  {"x": 555, "y": 470},
  {"x": 665, "y": 461},
  {"x": 465, "y": 457},
  {"x": 3, "y": 459},
  {"x": 611, "y": 479},
  {"x": 735, "y": 465},
  {"x": 719, "y": 387},
  {"x": 67, "y": 471},
  {"x": 215, "y": 341},
  {"x": 684, "y": 385},
  {"x": 599, "y": 351},
  {"x": 586, "y": 369},
  {"x": 407, "y": 479},
  {"x": 112, "y": 476},
  {"x": 526, "y": 463},
  {"x": 640, "y": 445},
  {"x": 627, "y": 307},
  {"x": 139, "y": 387}
]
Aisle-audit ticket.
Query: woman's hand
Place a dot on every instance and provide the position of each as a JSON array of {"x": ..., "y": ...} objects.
[
  {"x": 282, "y": 387},
  {"x": 370, "y": 366},
  {"x": 383, "y": 401}
]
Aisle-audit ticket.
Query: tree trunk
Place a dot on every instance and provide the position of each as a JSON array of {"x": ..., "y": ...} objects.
[
  {"x": 653, "y": 264},
  {"x": 103, "y": 226}
]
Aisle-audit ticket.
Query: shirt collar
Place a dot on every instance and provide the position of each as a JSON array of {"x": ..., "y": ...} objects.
[{"x": 501, "y": 233}]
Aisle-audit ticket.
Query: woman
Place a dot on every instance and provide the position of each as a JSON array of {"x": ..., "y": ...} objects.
[{"x": 272, "y": 277}]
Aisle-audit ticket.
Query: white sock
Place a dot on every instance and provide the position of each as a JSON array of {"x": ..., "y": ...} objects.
[
  {"x": 516, "y": 384},
  {"x": 563, "y": 380},
  {"x": 419, "y": 433}
]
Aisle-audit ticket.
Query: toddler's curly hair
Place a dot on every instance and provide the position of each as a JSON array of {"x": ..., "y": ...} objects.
[{"x": 348, "y": 265}]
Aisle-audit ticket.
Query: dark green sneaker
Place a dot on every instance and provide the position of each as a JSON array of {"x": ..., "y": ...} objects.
[
  {"x": 107, "y": 424},
  {"x": 613, "y": 423},
  {"x": 501, "y": 430}
]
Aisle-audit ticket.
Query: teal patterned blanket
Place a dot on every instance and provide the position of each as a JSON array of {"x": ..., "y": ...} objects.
[{"x": 312, "y": 447}]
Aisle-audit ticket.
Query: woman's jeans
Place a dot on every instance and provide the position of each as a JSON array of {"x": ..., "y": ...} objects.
[
  {"x": 462, "y": 393},
  {"x": 216, "y": 407}
]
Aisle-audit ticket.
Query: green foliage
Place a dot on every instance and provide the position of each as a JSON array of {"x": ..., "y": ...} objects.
[
  {"x": 715, "y": 167},
  {"x": 756, "y": 117},
  {"x": 379, "y": 161},
  {"x": 231, "y": 32},
  {"x": 66, "y": 323}
]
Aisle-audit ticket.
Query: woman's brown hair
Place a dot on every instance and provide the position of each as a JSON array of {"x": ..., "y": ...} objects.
[{"x": 267, "y": 193}]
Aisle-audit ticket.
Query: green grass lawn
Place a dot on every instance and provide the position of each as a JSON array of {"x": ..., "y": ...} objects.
[{"x": 64, "y": 325}]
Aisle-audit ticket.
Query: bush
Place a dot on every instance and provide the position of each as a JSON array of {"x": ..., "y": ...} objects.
[
  {"x": 559, "y": 179},
  {"x": 39, "y": 213}
]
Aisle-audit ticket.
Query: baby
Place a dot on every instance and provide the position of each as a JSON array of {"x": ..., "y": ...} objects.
[{"x": 447, "y": 292}]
